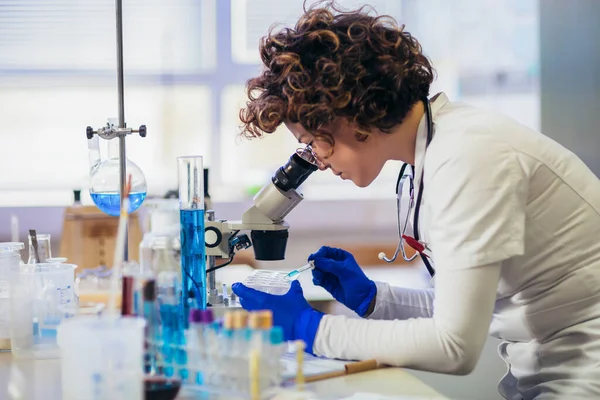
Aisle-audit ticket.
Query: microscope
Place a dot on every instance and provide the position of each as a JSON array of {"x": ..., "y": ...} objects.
[{"x": 264, "y": 220}]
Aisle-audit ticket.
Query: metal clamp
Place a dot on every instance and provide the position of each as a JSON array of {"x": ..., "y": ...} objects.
[{"x": 110, "y": 131}]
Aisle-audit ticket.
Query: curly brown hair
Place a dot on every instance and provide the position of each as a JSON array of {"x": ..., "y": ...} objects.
[{"x": 333, "y": 64}]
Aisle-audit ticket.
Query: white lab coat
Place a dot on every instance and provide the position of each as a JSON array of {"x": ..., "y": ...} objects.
[
  {"x": 521, "y": 201},
  {"x": 547, "y": 309}
]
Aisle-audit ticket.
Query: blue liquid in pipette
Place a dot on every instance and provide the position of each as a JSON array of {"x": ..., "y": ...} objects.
[
  {"x": 110, "y": 203},
  {"x": 292, "y": 274},
  {"x": 193, "y": 261}
]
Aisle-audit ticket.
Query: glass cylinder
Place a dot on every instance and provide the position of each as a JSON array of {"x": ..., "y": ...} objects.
[
  {"x": 191, "y": 183},
  {"x": 44, "y": 251},
  {"x": 191, "y": 215}
]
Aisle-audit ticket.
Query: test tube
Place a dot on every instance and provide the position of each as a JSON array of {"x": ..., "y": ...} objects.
[
  {"x": 200, "y": 321},
  {"x": 277, "y": 351},
  {"x": 225, "y": 295},
  {"x": 191, "y": 214},
  {"x": 240, "y": 351},
  {"x": 128, "y": 296},
  {"x": 260, "y": 324},
  {"x": 172, "y": 331},
  {"x": 223, "y": 361},
  {"x": 152, "y": 329}
]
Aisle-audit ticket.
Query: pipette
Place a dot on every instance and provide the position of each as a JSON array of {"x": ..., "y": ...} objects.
[{"x": 297, "y": 271}]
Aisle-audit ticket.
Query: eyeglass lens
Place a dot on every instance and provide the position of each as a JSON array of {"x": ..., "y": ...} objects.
[{"x": 308, "y": 154}]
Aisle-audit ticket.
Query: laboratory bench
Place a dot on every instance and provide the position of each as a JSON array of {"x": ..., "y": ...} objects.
[{"x": 41, "y": 379}]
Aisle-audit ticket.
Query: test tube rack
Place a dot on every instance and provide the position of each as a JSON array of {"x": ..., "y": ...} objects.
[{"x": 228, "y": 359}]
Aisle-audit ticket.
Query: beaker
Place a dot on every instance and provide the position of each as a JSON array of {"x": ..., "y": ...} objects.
[
  {"x": 17, "y": 247},
  {"x": 37, "y": 294},
  {"x": 102, "y": 358},
  {"x": 105, "y": 179}
]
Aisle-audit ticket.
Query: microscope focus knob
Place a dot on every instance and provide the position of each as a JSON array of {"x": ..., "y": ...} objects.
[
  {"x": 142, "y": 130},
  {"x": 89, "y": 132},
  {"x": 212, "y": 237}
]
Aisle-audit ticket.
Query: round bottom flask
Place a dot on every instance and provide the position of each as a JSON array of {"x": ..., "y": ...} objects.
[{"x": 105, "y": 184}]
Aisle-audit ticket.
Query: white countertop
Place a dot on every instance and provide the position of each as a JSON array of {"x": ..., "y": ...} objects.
[{"x": 41, "y": 380}]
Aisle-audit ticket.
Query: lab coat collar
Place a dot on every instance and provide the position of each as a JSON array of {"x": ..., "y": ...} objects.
[{"x": 437, "y": 102}]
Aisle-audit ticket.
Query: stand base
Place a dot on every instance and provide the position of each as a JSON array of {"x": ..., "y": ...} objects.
[{"x": 219, "y": 310}]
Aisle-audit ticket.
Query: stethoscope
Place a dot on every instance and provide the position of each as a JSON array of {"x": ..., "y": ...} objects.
[{"x": 403, "y": 177}]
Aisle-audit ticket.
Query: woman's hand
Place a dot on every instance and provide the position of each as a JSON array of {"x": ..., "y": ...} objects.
[
  {"x": 337, "y": 272},
  {"x": 291, "y": 311}
]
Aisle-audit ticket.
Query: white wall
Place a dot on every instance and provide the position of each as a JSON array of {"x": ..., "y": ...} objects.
[{"x": 570, "y": 76}]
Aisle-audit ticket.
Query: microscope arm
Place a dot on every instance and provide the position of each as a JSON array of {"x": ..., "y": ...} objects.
[
  {"x": 271, "y": 206},
  {"x": 219, "y": 233}
]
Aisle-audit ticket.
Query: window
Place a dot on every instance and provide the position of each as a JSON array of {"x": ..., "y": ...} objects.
[
  {"x": 251, "y": 20},
  {"x": 455, "y": 35},
  {"x": 57, "y": 73},
  {"x": 45, "y": 133},
  {"x": 74, "y": 36},
  {"x": 186, "y": 62}
]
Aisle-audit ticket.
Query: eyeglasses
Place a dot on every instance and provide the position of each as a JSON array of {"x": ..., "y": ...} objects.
[{"x": 308, "y": 154}]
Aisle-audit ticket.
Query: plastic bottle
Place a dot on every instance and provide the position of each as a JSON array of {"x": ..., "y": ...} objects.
[{"x": 9, "y": 259}]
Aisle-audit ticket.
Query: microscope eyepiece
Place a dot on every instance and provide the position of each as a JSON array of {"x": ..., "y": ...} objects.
[{"x": 300, "y": 165}]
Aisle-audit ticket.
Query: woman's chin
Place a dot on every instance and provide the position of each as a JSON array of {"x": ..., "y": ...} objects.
[{"x": 358, "y": 182}]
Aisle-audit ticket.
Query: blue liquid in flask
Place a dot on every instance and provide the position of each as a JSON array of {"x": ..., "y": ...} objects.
[
  {"x": 110, "y": 203},
  {"x": 193, "y": 261}
]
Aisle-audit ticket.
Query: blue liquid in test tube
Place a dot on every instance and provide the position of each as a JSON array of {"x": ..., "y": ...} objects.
[{"x": 193, "y": 255}]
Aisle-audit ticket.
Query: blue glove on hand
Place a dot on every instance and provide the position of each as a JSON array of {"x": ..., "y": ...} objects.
[
  {"x": 291, "y": 311},
  {"x": 337, "y": 272}
]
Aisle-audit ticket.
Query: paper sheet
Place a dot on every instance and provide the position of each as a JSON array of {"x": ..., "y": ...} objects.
[
  {"x": 312, "y": 365},
  {"x": 374, "y": 396}
]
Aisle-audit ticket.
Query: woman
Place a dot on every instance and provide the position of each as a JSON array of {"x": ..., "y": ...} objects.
[{"x": 510, "y": 219}]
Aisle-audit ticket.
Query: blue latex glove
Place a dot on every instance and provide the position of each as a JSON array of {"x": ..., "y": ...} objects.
[
  {"x": 337, "y": 272},
  {"x": 291, "y": 311}
]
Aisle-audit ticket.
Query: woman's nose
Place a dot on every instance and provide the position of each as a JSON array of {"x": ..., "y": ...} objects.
[{"x": 323, "y": 166}]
